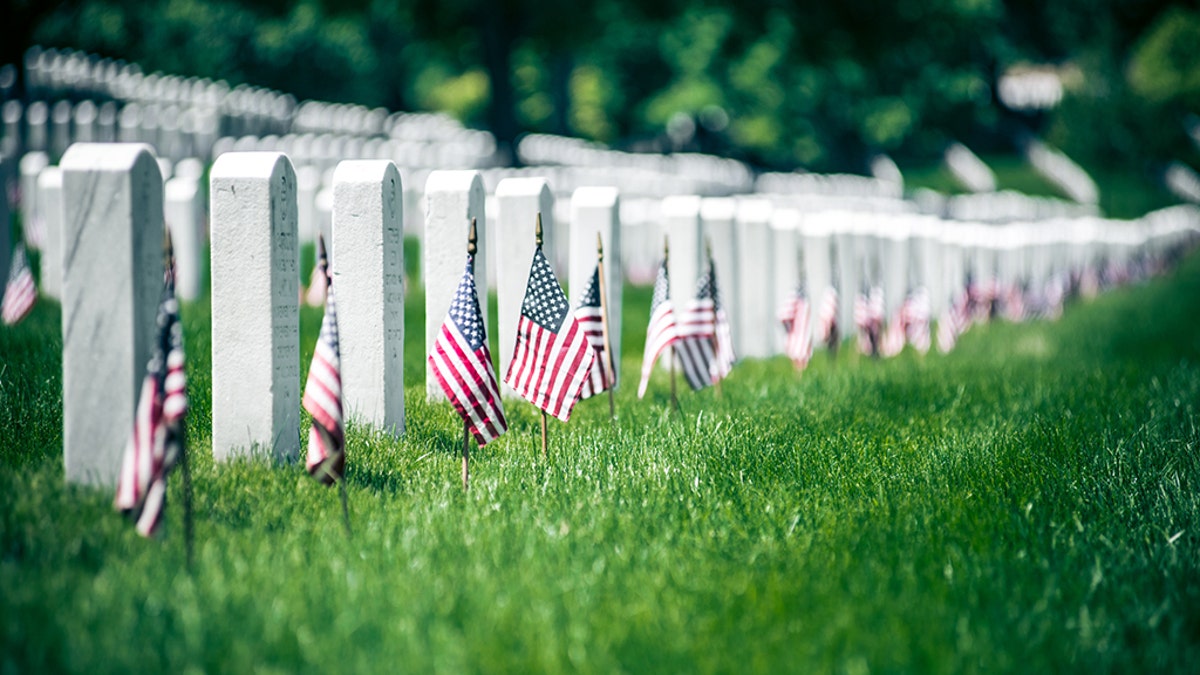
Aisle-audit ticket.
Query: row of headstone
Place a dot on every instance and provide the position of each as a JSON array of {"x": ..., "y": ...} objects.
[{"x": 1062, "y": 172}]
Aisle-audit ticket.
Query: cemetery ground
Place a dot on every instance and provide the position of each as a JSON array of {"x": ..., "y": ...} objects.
[{"x": 1030, "y": 502}]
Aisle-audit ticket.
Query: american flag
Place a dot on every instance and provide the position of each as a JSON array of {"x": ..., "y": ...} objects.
[
  {"x": 916, "y": 319},
  {"x": 20, "y": 292},
  {"x": 462, "y": 364},
  {"x": 868, "y": 318},
  {"x": 661, "y": 332},
  {"x": 156, "y": 444},
  {"x": 323, "y": 393},
  {"x": 892, "y": 342},
  {"x": 552, "y": 357},
  {"x": 827, "y": 318},
  {"x": 799, "y": 345},
  {"x": 954, "y": 323},
  {"x": 317, "y": 285},
  {"x": 1014, "y": 302},
  {"x": 588, "y": 314},
  {"x": 723, "y": 363},
  {"x": 696, "y": 331}
]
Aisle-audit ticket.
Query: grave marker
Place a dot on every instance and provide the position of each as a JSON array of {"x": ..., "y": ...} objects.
[
  {"x": 183, "y": 206},
  {"x": 453, "y": 199},
  {"x": 518, "y": 201},
  {"x": 112, "y": 280},
  {"x": 368, "y": 273},
  {"x": 755, "y": 283},
  {"x": 596, "y": 210},
  {"x": 681, "y": 222},
  {"x": 50, "y": 210},
  {"x": 255, "y": 312}
]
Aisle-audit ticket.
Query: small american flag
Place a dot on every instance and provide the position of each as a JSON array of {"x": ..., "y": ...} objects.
[
  {"x": 916, "y": 319},
  {"x": 317, "y": 285},
  {"x": 462, "y": 364},
  {"x": 661, "y": 332},
  {"x": 20, "y": 292},
  {"x": 725, "y": 358},
  {"x": 799, "y": 345},
  {"x": 588, "y": 314},
  {"x": 868, "y": 318},
  {"x": 954, "y": 323},
  {"x": 1014, "y": 302},
  {"x": 696, "y": 331},
  {"x": 892, "y": 342},
  {"x": 156, "y": 444},
  {"x": 552, "y": 357},
  {"x": 827, "y": 325},
  {"x": 323, "y": 393}
]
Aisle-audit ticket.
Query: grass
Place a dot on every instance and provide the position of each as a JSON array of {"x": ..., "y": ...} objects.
[{"x": 1029, "y": 503}]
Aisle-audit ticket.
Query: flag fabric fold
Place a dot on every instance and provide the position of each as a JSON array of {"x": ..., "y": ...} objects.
[
  {"x": 591, "y": 322},
  {"x": 20, "y": 290},
  {"x": 917, "y": 313},
  {"x": 462, "y": 364},
  {"x": 661, "y": 333},
  {"x": 827, "y": 326},
  {"x": 868, "y": 318},
  {"x": 552, "y": 358},
  {"x": 799, "y": 345},
  {"x": 326, "y": 460},
  {"x": 696, "y": 331},
  {"x": 156, "y": 444}
]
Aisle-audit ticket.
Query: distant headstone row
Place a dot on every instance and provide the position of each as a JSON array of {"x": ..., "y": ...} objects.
[{"x": 110, "y": 238}]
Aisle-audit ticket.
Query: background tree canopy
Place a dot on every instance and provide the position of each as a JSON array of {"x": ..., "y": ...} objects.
[{"x": 782, "y": 84}]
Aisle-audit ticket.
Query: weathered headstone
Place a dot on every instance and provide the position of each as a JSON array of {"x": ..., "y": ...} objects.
[
  {"x": 183, "y": 208},
  {"x": 453, "y": 199},
  {"x": 598, "y": 210},
  {"x": 754, "y": 285},
  {"x": 368, "y": 272},
  {"x": 112, "y": 280},
  {"x": 50, "y": 210},
  {"x": 519, "y": 201},
  {"x": 255, "y": 309}
]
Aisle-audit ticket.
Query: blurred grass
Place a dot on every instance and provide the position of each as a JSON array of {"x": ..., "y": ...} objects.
[{"x": 1029, "y": 503}]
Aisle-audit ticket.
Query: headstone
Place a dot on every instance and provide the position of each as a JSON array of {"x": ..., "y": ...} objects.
[
  {"x": 308, "y": 182},
  {"x": 598, "y": 210},
  {"x": 716, "y": 216},
  {"x": 518, "y": 201},
  {"x": 453, "y": 199},
  {"x": 183, "y": 207},
  {"x": 85, "y": 121},
  {"x": 60, "y": 128},
  {"x": 37, "y": 116},
  {"x": 13, "y": 142},
  {"x": 255, "y": 310},
  {"x": 817, "y": 244},
  {"x": 756, "y": 275},
  {"x": 50, "y": 210},
  {"x": 787, "y": 267},
  {"x": 681, "y": 222},
  {"x": 112, "y": 280},
  {"x": 5, "y": 220},
  {"x": 368, "y": 271},
  {"x": 31, "y": 166}
]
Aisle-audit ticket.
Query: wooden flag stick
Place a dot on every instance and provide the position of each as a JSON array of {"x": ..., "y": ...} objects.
[
  {"x": 184, "y": 468},
  {"x": 466, "y": 457},
  {"x": 610, "y": 369},
  {"x": 537, "y": 234}
]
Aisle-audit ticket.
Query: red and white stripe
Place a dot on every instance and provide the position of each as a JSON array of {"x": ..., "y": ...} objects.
[
  {"x": 799, "y": 345},
  {"x": 548, "y": 368},
  {"x": 326, "y": 459},
  {"x": 694, "y": 346},
  {"x": 20, "y": 291},
  {"x": 827, "y": 317},
  {"x": 953, "y": 324},
  {"x": 592, "y": 325},
  {"x": 467, "y": 378},
  {"x": 917, "y": 313},
  {"x": 661, "y": 333}
]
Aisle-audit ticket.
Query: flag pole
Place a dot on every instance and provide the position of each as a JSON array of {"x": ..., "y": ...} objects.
[
  {"x": 472, "y": 239},
  {"x": 715, "y": 343},
  {"x": 610, "y": 369},
  {"x": 666, "y": 259},
  {"x": 339, "y": 477},
  {"x": 537, "y": 237},
  {"x": 184, "y": 466}
]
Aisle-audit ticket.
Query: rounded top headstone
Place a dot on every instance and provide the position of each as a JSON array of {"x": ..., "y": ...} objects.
[{"x": 108, "y": 157}]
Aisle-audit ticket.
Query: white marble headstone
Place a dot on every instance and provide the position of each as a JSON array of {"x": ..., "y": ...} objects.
[
  {"x": 597, "y": 210},
  {"x": 112, "y": 280},
  {"x": 50, "y": 210},
  {"x": 183, "y": 208},
  {"x": 368, "y": 278},
  {"x": 30, "y": 166},
  {"x": 681, "y": 222},
  {"x": 716, "y": 216},
  {"x": 255, "y": 307},
  {"x": 453, "y": 199},
  {"x": 756, "y": 275},
  {"x": 518, "y": 202}
]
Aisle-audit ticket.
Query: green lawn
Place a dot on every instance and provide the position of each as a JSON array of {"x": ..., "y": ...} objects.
[{"x": 1029, "y": 503}]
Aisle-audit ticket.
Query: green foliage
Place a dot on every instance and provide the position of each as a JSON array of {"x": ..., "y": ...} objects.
[{"x": 1028, "y": 503}]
